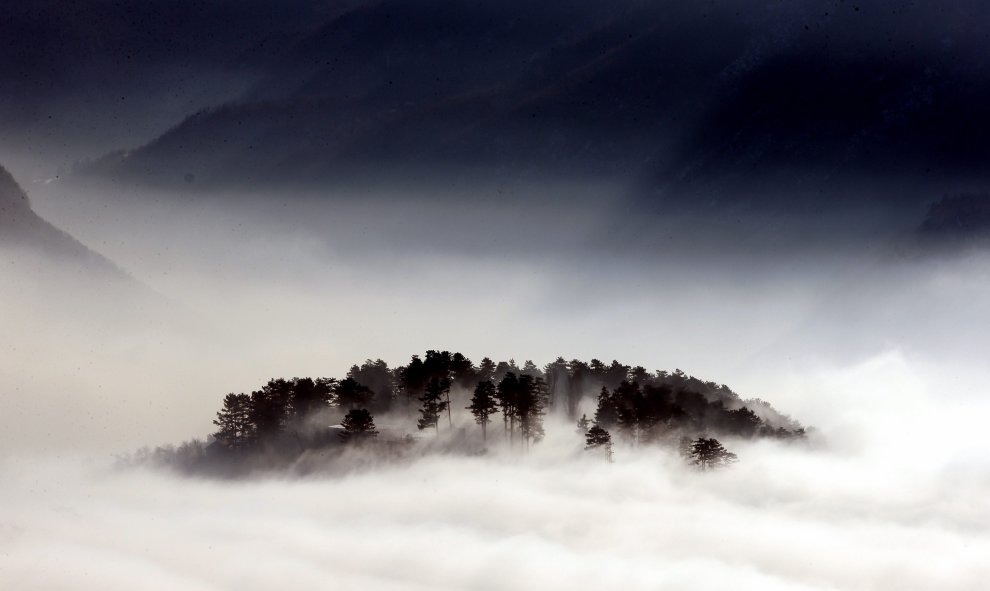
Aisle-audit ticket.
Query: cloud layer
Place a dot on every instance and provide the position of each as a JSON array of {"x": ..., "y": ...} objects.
[{"x": 886, "y": 500}]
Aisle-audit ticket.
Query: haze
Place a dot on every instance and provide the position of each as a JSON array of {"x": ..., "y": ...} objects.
[{"x": 509, "y": 182}]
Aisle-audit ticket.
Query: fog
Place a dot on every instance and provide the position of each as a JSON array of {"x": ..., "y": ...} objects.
[
  {"x": 880, "y": 348},
  {"x": 285, "y": 189},
  {"x": 892, "y": 500}
]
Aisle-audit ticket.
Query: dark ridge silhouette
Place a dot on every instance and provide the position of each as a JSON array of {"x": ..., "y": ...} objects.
[
  {"x": 22, "y": 228},
  {"x": 807, "y": 104},
  {"x": 86, "y": 49},
  {"x": 290, "y": 423}
]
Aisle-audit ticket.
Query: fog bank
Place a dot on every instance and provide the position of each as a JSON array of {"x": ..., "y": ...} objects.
[
  {"x": 272, "y": 290},
  {"x": 895, "y": 502},
  {"x": 882, "y": 354}
]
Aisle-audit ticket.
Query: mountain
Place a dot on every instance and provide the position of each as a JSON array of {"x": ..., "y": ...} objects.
[
  {"x": 23, "y": 229},
  {"x": 798, "y": 104}
]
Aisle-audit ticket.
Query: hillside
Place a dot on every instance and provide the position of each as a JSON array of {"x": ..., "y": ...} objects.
[
  {"x": 24, "y": 230},
  {"x": 811, "y": 103}
]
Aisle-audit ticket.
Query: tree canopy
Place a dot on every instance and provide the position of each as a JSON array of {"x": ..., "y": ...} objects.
[
  {"x": 358, "y": 425},
  {"x": 631, "y": 406},
  {"x": 709, "y": 454}
]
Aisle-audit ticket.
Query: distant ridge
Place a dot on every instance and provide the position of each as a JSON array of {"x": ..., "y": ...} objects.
[
  {"x": 801, "y": 105},
  {"x": 21, "y": 227}
]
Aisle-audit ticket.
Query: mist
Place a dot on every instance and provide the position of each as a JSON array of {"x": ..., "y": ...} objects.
[
  {"x": 893, "y": 499},
  {"x": 205, "y": 197},
  {"x": 231, "y": 298},
  {"x": 874, "y": 346}
]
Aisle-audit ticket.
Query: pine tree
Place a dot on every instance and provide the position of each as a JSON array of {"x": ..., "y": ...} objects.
[
  {"x": 599, "y": 439},
  {"x": 309, "y": 396},
  {"x": 234, "y": 420},
  {"x": 462, "y": 371},
  {"x": 434, "y": 404},
  {"x": 557, "y": 380},
  {"x": 584, "y": 424},
  {"x": 709, "y": 454},
  {"x": 506, "y": 394},
  {"x": 606, "y": 415},
  {"x": 358, "y": 425},
  {"x": 486, "y": 370},
  {"x": 529, "y": 404},
  {"x": 412, "y": 379},
  {"x": 483, "y": 405},
  {"x": 376, "y": 375},
  {"x": 627, "y": 400},
  {"x": 578, "y": 376},
  {"x": 351, "y": 394},
  {"x": 529, "y": 368},
  {"x": 270, "y": 408}
]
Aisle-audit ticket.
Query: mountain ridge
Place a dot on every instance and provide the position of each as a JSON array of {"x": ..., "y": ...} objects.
[
  {"x": 21, "y": 227},
  {"x": 789, "y": 99}
]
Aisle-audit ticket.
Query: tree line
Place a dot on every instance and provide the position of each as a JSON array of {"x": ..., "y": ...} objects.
[{"x": 638, "y": 406}]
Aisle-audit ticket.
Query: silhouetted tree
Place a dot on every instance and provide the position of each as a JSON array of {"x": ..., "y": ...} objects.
[
  {"x": 599, "y": 439},
  {"x": 508, "y": 389},
  {"x": 615, "y": 374},
  {"x": 378, "y": 378},
  {"x": 309, "y": 395},
  {"x": 627, "y": 403},
  {"x": 483, "y": 405},
  {"x": 709, "y": 454},
  {"x": 503, "y": 369},
  {"x": 741, "y": 422},
  {"x": 270, "y": 408},
  {"x": 580, "y": 377},
  {"x": 358, "y": 425},
  {"x": 439, "y": 365},
  {"x": 433, "y": 404},
  {"x": 351, "y": 394},
  {"x": 557, "y": 381},
  {"x": 462, "y": 371},
  {"x": 486, "y": 371},
  {"x": 234, "y": 421},
  {"x": 529, "y": 400},
  {"x": 694, "y": 404},
  {"x": 640, "y": 375},
  {"x": 413, "y": 378},
  {"x": 656, "y": 410},
  {"x": 529, "y": 368},
  {"x": 606, "y": 415}
]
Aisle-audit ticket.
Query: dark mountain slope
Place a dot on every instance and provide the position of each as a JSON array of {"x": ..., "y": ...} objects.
[
  {"x": 22, "y": 228},
  {"x": 799, "y": 104},
  {"x": 447, "y": 83},
  {"x": 903, "y": 98}
]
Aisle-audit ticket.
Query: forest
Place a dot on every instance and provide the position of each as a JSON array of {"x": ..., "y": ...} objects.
[{"x": 442, "y": 402}]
